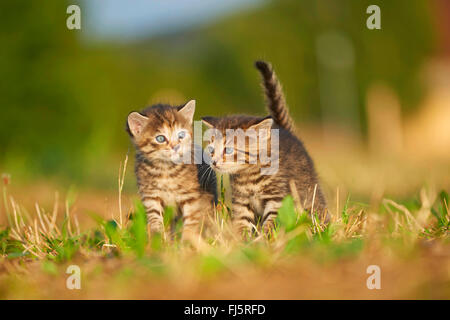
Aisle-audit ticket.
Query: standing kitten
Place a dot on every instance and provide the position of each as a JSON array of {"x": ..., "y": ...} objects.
[
  {"x": 162, "y": 135},
  {"x": 254, "y": 193}
]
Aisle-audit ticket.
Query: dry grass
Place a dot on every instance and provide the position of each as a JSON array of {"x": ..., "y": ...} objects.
[{"x": 304, "y": 259}]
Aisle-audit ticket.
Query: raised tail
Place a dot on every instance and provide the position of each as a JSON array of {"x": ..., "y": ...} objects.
[{"x": 276, "y": 102}]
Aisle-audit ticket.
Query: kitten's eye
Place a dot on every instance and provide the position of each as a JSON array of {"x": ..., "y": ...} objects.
[
  {"x": 210, "y": 149},
  {"x": 160, "y": 139},
  {"x": 181, "y": 134},
  {"x": 229, "y": 150}
]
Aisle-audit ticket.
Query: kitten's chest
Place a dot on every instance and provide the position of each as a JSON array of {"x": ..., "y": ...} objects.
[
  {"x": 168, "y": 189},
  {"x": 254, "y": 191},
  {"x": 170, "y": 186},
  {"x": 168, "y": 194}
]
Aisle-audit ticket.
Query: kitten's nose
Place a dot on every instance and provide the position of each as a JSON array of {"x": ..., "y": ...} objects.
[{"x": 176, "y": 148}]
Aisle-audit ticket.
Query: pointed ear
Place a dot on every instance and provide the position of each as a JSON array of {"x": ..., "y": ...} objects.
[
  {"x": 136, "y": 123},
  {"x": 209, "y": 122},
  {"x": 187, "y": 111},
  {"x": 265, "y": 123}
]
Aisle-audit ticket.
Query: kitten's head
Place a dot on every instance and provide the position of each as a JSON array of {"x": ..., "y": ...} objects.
[
  {"x": 235, "y": 142},
  {"x": 162, "y": 132}
]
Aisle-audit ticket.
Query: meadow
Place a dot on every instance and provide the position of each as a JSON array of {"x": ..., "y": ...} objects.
[
  {"x": 372, "y": 107},
  {"x": 106, "y": 235}
]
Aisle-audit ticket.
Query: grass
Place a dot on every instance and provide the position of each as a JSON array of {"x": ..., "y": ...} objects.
[{"x": 303, "y": 258}]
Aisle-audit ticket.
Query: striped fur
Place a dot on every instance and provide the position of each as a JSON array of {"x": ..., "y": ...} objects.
[{"x": 189, "y": 187}]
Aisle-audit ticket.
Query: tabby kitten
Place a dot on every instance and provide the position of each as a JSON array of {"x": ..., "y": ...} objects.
[
  {"x": 162, "y": 135},
  {"x": 255, "y": 194}
]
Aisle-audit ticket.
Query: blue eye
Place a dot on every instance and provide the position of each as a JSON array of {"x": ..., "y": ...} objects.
[
  {"x": 229, "y": 150},
  {"x": 210, "y": 149},
  {"x": 181, "y": 134},
  {"x": 160, "y": 139}
]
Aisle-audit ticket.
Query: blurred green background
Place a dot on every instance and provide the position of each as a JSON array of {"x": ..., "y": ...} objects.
[{"x": 65, "y": 94}]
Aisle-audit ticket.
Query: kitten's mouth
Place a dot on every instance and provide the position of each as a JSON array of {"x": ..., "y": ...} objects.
[
  {"x": 223, "y": 169},
  {"x": 176, "y": 157},
  {"x": 215, "y": 167},
  {"x": 179, "y": 157}
]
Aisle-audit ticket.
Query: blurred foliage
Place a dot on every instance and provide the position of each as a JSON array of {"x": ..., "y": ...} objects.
[{"x": 64, "y": 97}]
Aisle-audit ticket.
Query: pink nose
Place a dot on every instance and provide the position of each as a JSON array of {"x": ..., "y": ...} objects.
[{"x": 176, "y": 148}]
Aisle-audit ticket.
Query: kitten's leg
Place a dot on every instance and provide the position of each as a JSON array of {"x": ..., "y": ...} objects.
[
  {"x": 243, "y": 217},
  {"x": 154, "y": 208},
  {"x": 194, "y": 209},
  {"x": 270, "y": 213}
]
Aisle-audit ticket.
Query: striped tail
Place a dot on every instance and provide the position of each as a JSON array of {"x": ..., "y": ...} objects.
[{"x": 276, "y": 102}]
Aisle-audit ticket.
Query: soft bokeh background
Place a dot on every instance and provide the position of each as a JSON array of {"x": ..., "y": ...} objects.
[{"x": 373, "y": 106}]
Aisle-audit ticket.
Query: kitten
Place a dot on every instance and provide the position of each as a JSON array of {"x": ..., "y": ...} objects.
[
  {"x": 162, "y": 135},
  {"x": 256, "y": 194}
]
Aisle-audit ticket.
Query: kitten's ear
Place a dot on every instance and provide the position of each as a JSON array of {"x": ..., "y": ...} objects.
[
  {"x": 209, "y": 122},
  {"x": 265, "y": 123},
  {"x": 187, "y": 111},
  {"x": 136, "y": 123}
]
